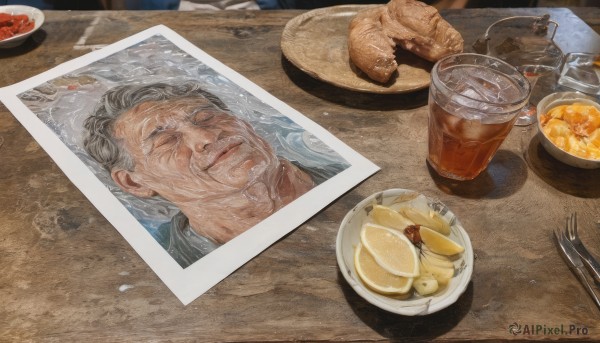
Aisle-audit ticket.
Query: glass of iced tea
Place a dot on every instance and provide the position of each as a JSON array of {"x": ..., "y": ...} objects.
[{"x": 473, "y": 102}]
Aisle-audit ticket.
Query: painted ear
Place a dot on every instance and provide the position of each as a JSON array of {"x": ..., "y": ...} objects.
[{"x": 124, "y": 180}]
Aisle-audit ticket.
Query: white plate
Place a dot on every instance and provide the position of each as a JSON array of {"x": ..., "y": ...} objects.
[
  {"x": 349, "y": 236},
  {"x": 33, "y": 13}
]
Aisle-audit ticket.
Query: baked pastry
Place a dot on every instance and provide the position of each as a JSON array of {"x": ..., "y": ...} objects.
[
  {"x": 375, "y": 33},
  {"x": 371, "y": 50}
]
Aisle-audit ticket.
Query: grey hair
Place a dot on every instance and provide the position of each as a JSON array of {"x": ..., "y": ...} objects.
[{"x": 99, "y": 140}]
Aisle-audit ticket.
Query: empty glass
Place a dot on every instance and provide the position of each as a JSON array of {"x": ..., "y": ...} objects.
[
  {"x": 581, "y": 71},
  {"x": 527, "y": 43}
]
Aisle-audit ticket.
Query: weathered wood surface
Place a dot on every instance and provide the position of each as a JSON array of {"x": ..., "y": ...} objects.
[{"x": 62, "y": 263}]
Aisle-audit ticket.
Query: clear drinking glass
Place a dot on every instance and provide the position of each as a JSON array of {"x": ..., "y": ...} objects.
[
  {"x": 473, "y": 102},
  {"x": 581, "y": 71},
  {"x": 526, "y": 42}
]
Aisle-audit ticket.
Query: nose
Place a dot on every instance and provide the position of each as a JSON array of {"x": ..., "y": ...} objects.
[{"x": 199, "y": 138}]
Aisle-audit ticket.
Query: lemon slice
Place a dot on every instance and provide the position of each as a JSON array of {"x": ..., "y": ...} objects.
[
  {"x": 386, "y": 216},
  {"x": 376, "y": 277},
  {"x": 390, "y": 249},
  {"x": 438, "y": 243}
]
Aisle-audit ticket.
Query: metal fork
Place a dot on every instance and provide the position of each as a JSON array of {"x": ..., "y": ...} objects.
[
  {"x": 590, "y": 262},
  {"x": 572, "y": 258}
]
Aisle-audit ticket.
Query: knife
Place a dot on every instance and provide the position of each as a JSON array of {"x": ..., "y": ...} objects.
[
  {"x": 588, "y": 260},
  {"x": 574, "y": 261}
]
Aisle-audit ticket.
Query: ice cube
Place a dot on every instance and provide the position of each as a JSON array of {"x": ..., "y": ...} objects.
[{"x": 484, "y": 86}]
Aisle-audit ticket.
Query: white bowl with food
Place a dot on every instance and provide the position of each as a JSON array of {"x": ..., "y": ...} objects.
[
  {"x": 17, "y": 22},
  {"x": 569, "y": 128},
  {"x": 410, "y": 293}
]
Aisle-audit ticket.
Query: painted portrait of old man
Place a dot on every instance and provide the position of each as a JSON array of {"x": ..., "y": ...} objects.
[{"x": 182, "y": 143}]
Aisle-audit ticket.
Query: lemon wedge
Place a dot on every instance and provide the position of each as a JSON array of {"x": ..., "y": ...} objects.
[
  {"x": 440, "y": 273},
  {"x": 435, "y": 259},
  {"x": 439, "y": 243},
  {"x": 428, "y": 218},
  {"x": 386, "y": 216},
  {"x": 390, "y": 249},
  {"x": 378, "y": 278}
]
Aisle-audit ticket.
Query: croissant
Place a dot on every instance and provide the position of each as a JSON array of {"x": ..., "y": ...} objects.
[
  {"x": 374, "y": 35},
  {"x": 370, "y": 48}
]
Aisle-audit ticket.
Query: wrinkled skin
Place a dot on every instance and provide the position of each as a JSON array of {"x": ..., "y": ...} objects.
[{"x": 212, "y": 165}]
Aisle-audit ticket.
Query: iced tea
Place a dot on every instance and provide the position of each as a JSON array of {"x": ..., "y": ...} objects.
[{"x": 473, "y": 103}]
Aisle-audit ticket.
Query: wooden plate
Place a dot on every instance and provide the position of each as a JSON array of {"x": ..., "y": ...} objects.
[{"x": 316, "y": 43}]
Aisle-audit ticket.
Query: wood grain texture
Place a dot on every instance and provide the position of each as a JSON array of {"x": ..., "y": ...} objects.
[{"x": 62, "y": 264}]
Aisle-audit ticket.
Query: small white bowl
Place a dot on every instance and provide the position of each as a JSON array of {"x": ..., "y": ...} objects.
[
  {"x": 557, "y": 99},
  {"x": 33, "y": 13},
  {"x": 349, "y": 236}
]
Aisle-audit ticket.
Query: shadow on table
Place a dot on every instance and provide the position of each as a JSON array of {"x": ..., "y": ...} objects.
[
  {"x": 584, "y": 183},
  {"x": 408, "y": 328},
  {"x": 31, "y": 43},
  {"x": 360, "y": 100},
  {"x": 504, "y": 176}
]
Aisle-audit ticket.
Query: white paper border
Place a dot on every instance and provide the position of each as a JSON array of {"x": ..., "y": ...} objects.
[{"x": 189, "y": 283}]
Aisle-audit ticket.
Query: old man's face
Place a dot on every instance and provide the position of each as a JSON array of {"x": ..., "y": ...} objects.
[{"x": 188, "y": 149}]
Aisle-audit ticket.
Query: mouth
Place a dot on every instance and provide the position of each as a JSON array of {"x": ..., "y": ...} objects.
[{"x": 222, "y": 151}]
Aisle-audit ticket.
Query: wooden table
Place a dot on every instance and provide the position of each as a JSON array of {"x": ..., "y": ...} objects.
[{"x": 62, "y": 263}]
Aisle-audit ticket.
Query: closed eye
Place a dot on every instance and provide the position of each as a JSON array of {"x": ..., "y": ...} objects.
[
  {"x": 202, "y": 116},
  {"x": 165, "y": 138}
]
